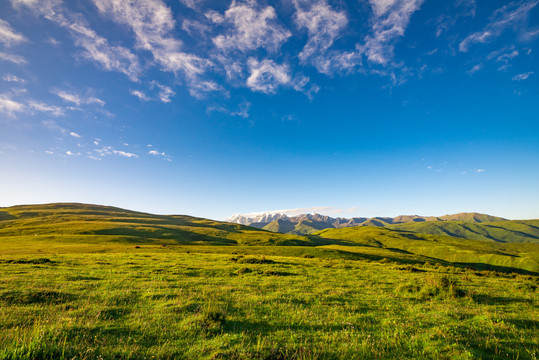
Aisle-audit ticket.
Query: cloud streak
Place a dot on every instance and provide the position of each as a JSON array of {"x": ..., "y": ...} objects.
[
  {"x": 513, "y": 14},
  {"x": 250, "y": 27},
  {"x": 8, "y": 36}
]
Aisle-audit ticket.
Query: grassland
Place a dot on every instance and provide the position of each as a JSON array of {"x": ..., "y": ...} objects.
[
  {"x": 74, "y": 292},
  {"x": 502, "y": 231}
]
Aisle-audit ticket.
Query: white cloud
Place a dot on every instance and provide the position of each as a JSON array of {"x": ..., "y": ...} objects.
[
  {"x": 94, "y": 100},
  {"x": 380, "y": 7},
  {"x": 155, "y": 153},
  {"x": 199, "y": 88},
  {"x": 195, "y": 28},
  {"x": 242, "y": 111},
  {"x": 42, "y": 107},
  {"x": 69, "y": 97},
  {"x": 74, "y": 134},
  {"x": 513, "y": 14},
  {"x": 10, "y": 106},
  {"x": 95, "y": 47},
  {"x": 109, "y": 150},
  {"x": 522, "y": 76},
  {"x": 139, "y": 94},
  {"x": 266, "y": 76},
  {"x": 71, "y": 153},
  {"x": 13, "y": 78},
  {"x": 77, "y": 99},
  {"x": 475, "y": 69},
  {"x": 298, "y": 211},
  {"x": 389, "y": 23},
  {"x": 480, "y": 170},
  {"x": 252, "y": 26},
  {"x": 323, "y": 25},
  {"x": 124, "y": 154},
  {"x": 152, "y": 23},
  {"x": 8, "y": 36},
  {"x": 16, "y": 59},
  {"x": 165, "y": 92},
  {"x": 193, "y": 4}
]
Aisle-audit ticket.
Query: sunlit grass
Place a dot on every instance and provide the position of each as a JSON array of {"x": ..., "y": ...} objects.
[{"x": 179, "y": 302}]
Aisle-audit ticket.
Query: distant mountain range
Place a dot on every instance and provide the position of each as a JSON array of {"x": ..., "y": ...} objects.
[{"x": 311, "y": 223}]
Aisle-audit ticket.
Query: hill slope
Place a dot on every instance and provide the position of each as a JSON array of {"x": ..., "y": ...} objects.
[
  {"x": 67, "y": 227},
  {"x": 95, "y": 223},
  {"x": 518, "y": 231},
  {"x": 429, "y": 247},
  {"x": 310, "y": 223}
]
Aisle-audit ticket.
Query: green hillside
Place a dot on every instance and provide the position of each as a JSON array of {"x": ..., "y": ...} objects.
[
  {"x": 281, "y": 226},
  {"x": 376, "y": 240},
  {"x": 517, "y": 231},
  {"x": 471, "y": 217},
  {"x": 65, "y": 227},
  {"x": 71, "y": 223}
]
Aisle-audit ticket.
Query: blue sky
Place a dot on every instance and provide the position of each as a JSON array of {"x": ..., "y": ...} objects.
[{"x": 209, "y": 108}]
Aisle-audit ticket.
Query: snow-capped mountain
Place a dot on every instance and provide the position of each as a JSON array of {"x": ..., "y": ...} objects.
[
  {"x": 278, "y": 221},
  {"x": 263, "y": 217}
]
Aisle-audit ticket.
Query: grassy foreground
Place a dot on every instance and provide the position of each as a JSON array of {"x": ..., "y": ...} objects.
[
  {"x": 84, "y": 281},
  {"x": 117, "y": 301}
]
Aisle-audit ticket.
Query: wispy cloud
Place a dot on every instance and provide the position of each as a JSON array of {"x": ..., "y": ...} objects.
[
  {"x": 142, "y": 96},
  {"x": 522, "y": 76},
  {"x": 95, "y": 47},
  {"x": 266, "y": 76},
  {"x": 161, "y": 154},
  {"x": 75, "y": 135},
  {"x": 513, "y": 14},
  {"x": 306, "y": 210},
  {"x": 8, "y": 36},
  {"x": 152, "y": 23},
  {"x": 104, "y": 151},
  {"x": 391, "y": 18},
  {"x": 78, "y": 99},
  {"x": 43, "y": 107},
  {"x": 242, "y": 111},
  {"x": 480, "y": 170},
  {"x": 250, "y": 26},
  {"x": 9, "y": 106},
  {"x": 124, "y": 154},
  {"x": 324, "y": 25},
  {"x": 164, "y": 92},
  {"x": 16, "y": 59},
  {"x": 475, "y": 69},
  {"x": 69, "y": 97},
  {"x": 13, "y": 78}
]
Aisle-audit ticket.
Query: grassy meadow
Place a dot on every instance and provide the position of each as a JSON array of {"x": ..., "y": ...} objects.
[{"x": 75, "y": 294}]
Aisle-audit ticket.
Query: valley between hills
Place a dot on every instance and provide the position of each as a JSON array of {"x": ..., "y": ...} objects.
[{"x": 84, "y": 281}]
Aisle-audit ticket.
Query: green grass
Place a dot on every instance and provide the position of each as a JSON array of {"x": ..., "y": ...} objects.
[
  {"x": 388, "y": 242},
  {"x": 179, "y": 302},
  {"x": 354, "y": 293},
  {"x": 519, "y": 231}
]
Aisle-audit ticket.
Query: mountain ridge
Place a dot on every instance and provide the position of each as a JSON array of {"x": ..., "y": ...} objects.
[{"x": 312, "y": 222}]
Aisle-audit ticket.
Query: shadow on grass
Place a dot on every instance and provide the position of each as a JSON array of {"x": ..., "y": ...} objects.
[
  {"x": 135, "y": 235},
  {"x": 498, "y": 300},
  {"x": 525, "y": 323},
  {"x": 497, "y": 268}
]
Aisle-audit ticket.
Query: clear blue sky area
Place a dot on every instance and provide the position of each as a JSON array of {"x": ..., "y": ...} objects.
[{"x": 209, "y": 108}]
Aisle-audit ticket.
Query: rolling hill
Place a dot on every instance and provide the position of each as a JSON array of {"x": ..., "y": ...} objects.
[
  {"x": 377, "y": 240},
  {"x": 309, "y": 223},
  {"x": 71, "y": 222},
  {"x": 518, "y": 231},
  {"x": 63, "y": 227}
]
